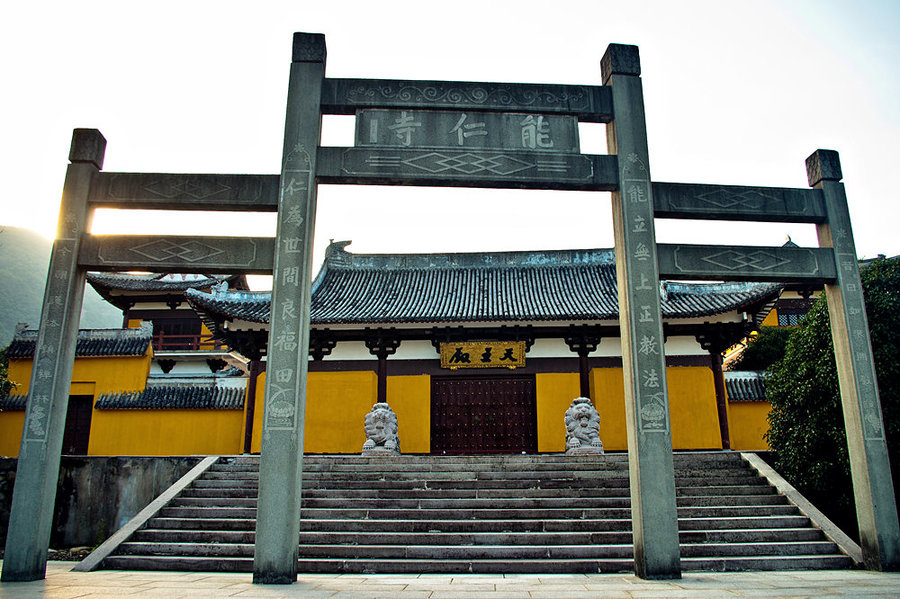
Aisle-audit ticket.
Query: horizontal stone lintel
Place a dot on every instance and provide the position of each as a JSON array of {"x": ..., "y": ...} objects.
[
  {"x": 176, "y": 254},
  {"x": 466, "y": 168},
  {"x": 170, "y": 191},
  {"x": 746, "y": 263},
  {"x": 736, "y": 202},
  {"x": 590, "y": 103}
]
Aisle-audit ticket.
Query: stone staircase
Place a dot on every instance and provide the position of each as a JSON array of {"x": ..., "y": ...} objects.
[{"x": 491, "y": 514}]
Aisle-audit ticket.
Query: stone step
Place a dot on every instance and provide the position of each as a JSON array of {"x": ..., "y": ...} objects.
[
  {"x": 732, "y": 476},
  {"x": 224, "y": 488},
  {"x": 500, "y": 514},
  {"x": 486, "y": 483},
  {"x": 515, "y": 551},
  {"x": 510, "y": 503},
  {"x": 413, "y": 552},
  {"x": 480, "y": 538},
  {"x": 426, "y": 500},
  {"x": 767, "y": 563},
  {"x": 331, "y": 460},
  {"x": 782, "y": 548},
  {"x": 214, "y": 564},
  {"x": 479, "y": 513},
  {"x": 747, "y": 522},
  {"x": 340, "y": 566},
  {"x": 435, "y": 466},
  {"x": 519, "y": 525}
]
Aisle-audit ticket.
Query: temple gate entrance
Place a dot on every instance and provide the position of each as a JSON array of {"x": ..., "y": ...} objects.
[{"x": 437, "y": 133}]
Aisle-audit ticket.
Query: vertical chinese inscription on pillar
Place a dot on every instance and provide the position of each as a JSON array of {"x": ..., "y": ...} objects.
[
  {"x": 281, "y": 409},
  {"x": 645, "y": 322},
  {"x": 857, "y": 327},
  {"x": 47, "y": 344}
]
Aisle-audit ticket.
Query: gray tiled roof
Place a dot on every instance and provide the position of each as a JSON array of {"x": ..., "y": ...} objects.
[
  {"x": 509, "y": 286},
  {"x": 745, "y": 386},
  {"x": 91, "y": 342},
  {"x": 175, "y": 397},
  {"x": 155, "y": 282},
  {"x": 13, "y": 401}
]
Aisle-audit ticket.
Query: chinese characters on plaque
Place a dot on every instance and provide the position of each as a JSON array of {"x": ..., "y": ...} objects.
[
  {"x": 467, "y": 129},
  {"x": 483, "y": 354}
]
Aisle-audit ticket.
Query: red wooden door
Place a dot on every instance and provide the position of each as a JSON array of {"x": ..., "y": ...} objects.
[{"x": 472, "y": 415}]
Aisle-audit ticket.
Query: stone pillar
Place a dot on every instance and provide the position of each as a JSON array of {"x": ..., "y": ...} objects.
[
  {"x": 45, "y": 417},
  {"x": 873, "y": 488},
  {"x": 651, "y": 467},
  {"x": 281, "y": 460}
]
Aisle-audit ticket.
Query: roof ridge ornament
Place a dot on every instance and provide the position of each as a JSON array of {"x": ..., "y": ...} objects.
[
  {"x": 220, "y": 289},
  {"x": 336, "y": 253}
]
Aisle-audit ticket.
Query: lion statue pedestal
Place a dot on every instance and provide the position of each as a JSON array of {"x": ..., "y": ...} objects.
[
  {"x": 381, "y": 432},
  {"x": 583, "y": 428}
]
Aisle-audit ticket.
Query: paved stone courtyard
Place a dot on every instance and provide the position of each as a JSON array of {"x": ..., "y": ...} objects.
[{"x": 63, "y": 584}]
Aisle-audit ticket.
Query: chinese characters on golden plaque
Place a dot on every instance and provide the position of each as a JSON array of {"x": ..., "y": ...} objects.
[{"x": 483, "y": 354}]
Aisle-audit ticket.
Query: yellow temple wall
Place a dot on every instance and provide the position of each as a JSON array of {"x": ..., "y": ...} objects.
[
  {"x": 748, "y": 422},
  {"x": 555, "y": 392},
  {"x": 692, "y": 407},
  {"x": 336, "y": 407},
  {"x": 410, "y": 398},
  {"x": 166, "y": 432},
  {"x": 11, "y": 424},
  {"x": 90, "y": 376},
  {"x": 337, "y": 403}
]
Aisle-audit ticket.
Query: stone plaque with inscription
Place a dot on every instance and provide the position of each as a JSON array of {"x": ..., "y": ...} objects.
[{"x": 456, "y": 129}]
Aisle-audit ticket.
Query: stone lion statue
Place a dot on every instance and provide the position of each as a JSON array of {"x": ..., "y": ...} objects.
[
  {"x": 583, "y": 427},
  {"x": 381, "y": 431}
]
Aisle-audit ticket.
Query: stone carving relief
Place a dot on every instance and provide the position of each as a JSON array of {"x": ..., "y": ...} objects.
[
  {"x": 583, "y": 427},
  {"x": 381, "y": 431}
]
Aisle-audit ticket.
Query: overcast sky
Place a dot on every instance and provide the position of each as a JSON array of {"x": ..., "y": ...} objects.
[{"x": 735, "y": 92}]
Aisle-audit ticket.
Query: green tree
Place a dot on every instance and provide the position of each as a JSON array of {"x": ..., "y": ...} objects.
[
  {"x": 764, "y": 349},
  {"x": 5, "y": 384},
  {"x": 806, "y": 423}
]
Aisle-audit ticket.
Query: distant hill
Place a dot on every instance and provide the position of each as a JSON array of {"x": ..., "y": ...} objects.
[{"x": 24, "y": 258}]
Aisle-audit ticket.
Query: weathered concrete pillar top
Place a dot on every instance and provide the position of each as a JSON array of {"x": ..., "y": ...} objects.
[
  {"x": 620, "y": 59},
  {"x": 823, "y": 165},
  {"x": 309, "y": 47},
  {"x": 88, "y": 145}
]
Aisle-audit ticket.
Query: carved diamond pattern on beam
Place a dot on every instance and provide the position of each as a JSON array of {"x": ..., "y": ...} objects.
[
  {"x": 469, "y": 164},
  {"x": 749, "y": 199},
  {"x": 734, "y": 260},
  {"x": 174, "y": 188},
  {"x": 163, "y": 250}
]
